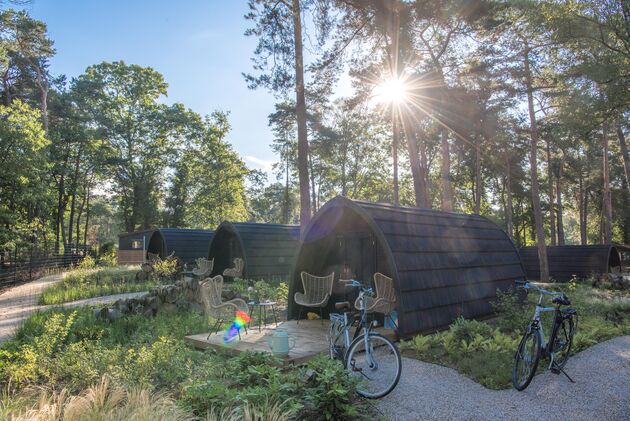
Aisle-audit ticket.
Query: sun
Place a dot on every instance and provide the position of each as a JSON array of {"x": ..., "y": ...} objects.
[{"x": 391, "y": 91}]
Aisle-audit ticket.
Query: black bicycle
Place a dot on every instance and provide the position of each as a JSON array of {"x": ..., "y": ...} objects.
[{"x": 533, "y": 346}]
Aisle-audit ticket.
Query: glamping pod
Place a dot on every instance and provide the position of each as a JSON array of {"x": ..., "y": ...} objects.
[
  {"x": 444, "y": 265},
  {"x": 567, "y": 261},
  {"x": 268, "y": 250},
  {"x": 132, "y": 247},
  {"x": 185, "y": 244}
]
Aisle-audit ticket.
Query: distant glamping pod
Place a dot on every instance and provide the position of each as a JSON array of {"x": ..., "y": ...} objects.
[
  {"x": 132, "y": 247},
  {"x": 579, "y": 261},
  {"x": 444, "y": 265},
  {"x": 185, "y": 244},
  {"x": 268, "y": 250}
]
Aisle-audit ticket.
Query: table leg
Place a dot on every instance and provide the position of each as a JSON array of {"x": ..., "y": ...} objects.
[
  {"x": 260, "y": 318},
  {"x": 275, "y": 318}
]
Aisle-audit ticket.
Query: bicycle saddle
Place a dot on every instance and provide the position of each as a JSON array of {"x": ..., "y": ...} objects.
[
  {"x": 562, "y": 300},
  {"x": 345, "y": 305}
]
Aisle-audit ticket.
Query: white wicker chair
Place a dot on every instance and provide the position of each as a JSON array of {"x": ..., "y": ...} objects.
[
  {"x": 237, "y": 270},
  {"x": 385, "y": 300},
  {"x": 317, "y": 292},
  {"x": 215, "y": 307},
  {"x": 204, "y": 267}
]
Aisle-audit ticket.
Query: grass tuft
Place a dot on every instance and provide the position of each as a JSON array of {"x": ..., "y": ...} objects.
[{"x": 84, "y": 283}]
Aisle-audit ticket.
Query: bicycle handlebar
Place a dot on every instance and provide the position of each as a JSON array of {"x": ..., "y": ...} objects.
[
  {"x": 357, "y": 284},
  {"x": 529, "y": 285}
]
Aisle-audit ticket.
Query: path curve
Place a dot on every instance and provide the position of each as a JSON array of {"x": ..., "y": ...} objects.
[
  {"x": 18, "y": 303},
  {"x": 601, "y": 392}
]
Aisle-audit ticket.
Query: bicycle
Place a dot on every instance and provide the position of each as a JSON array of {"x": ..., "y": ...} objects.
[
  {"x": 371, "y": 357},
  {"x": 533, "y": 346}
]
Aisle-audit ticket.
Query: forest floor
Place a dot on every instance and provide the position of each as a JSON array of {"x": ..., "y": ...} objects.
[
  {"x": 19, "y": 302},
  {"x": 601, "y": 391}
]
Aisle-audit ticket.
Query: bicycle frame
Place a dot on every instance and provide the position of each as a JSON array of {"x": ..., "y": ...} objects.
[
  {"x": 536, "y": 320},
  {"x": 344, "y": 319}
]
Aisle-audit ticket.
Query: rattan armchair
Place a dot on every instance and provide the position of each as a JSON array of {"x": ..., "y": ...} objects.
[
  {"x": 204, "y": 267},
  {"x": 317, "y": 292},
  {"x": 214, "y": 305},
  {"x": 237, "y": 270},
  {"x": 385, "y": 300}
]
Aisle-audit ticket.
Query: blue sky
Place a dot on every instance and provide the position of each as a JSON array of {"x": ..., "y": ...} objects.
[{"x": 197, "y": 45}]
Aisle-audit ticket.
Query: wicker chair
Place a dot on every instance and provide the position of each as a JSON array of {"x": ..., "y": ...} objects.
[
  {"x": 214, "y": 305},
  {"x": 237, "y": 270},
  {"x": 385, "y": 300},
  {"x": 317, "y": 292},
  {"x": 204, "y": 267}
]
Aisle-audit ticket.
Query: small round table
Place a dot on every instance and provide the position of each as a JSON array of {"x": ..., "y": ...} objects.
[{"x": 262, "y": 311}]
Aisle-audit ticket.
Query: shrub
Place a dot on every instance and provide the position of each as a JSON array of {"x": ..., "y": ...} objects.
[
  {"x": 108, "y": 258},
  {"x": 331, "y": 392},
  {"x": 87, "y": 262},
  {"x": 166, "y": 268},
  {"x": 512, "y": 311}
]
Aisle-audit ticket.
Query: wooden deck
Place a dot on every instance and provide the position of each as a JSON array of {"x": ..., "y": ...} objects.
[{"x": 310, "y": 340}]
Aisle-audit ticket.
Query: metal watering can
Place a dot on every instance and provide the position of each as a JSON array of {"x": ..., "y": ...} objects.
[{"x": 280, "y": 342}]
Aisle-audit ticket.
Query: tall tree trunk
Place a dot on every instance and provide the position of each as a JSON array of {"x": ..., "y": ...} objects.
[
  {"x": 509, "y": 211},
  {"x": 559, "y": 202},
  {"x": 624, "y": 153},
  {"x": 477, "y": 178},
  {"x": 445, "y": 173},
  {"x": 424, "y": 174},
  {"x": 607, "y": 205},
  {"x": 552, "y": 193},
  {"x": 87, "y": 219},
  {"x": 79, "y": 214},
  {"x": 60, "y": 211},
  {"x": 584, "y": 226},
  {"x": 285, "y": 213},
  {"x": 393, "y": 51},
  {"x": 300, "y": 109},
  {"x": 313, "y": 192},
  {"x": 533, "y": 162},
  {"x": 44, "y": 107},
  {"x": 419, "y": 186},
  {"x": 395, "y": 143}
]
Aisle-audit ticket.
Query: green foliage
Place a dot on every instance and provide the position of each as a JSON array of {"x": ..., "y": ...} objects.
[
  {"x": 512, "y": 310},
  {"x": 208, "y": 184},
  {"x": 74, "y": 349},
  {"x": 108, "y": 257},
  {"x": 484, "y": 351},
  {"x": 87, "y": 262},
  {"x": 24, "y": 165},
  {"x": 86, "y": 283},
  {"x": 165, "y": 268}
]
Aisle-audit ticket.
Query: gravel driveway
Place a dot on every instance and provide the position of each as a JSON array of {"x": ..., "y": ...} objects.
[{"x": 601, "y": 392}]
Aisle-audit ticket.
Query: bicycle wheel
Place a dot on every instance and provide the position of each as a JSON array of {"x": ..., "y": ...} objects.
[
  {"x": 562, "y": 341},
  {"x": 526, "y": 359},
  {"x": 377, "y": 366}
]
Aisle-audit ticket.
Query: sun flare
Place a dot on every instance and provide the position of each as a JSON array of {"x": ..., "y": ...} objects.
[{"x": 391, "y": 91}]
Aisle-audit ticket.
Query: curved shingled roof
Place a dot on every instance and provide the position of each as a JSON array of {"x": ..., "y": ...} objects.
[
  {"x": 268, "y": 250},
  {"x": 566, "y": 261},
  {"x": 186, "y": 244},
  {"x": 444, "y": 265}
]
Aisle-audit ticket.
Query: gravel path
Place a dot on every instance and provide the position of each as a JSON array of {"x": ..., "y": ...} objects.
[
  {"x": 601, "y": 392},
  {"x": 16, "y": 304}
]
